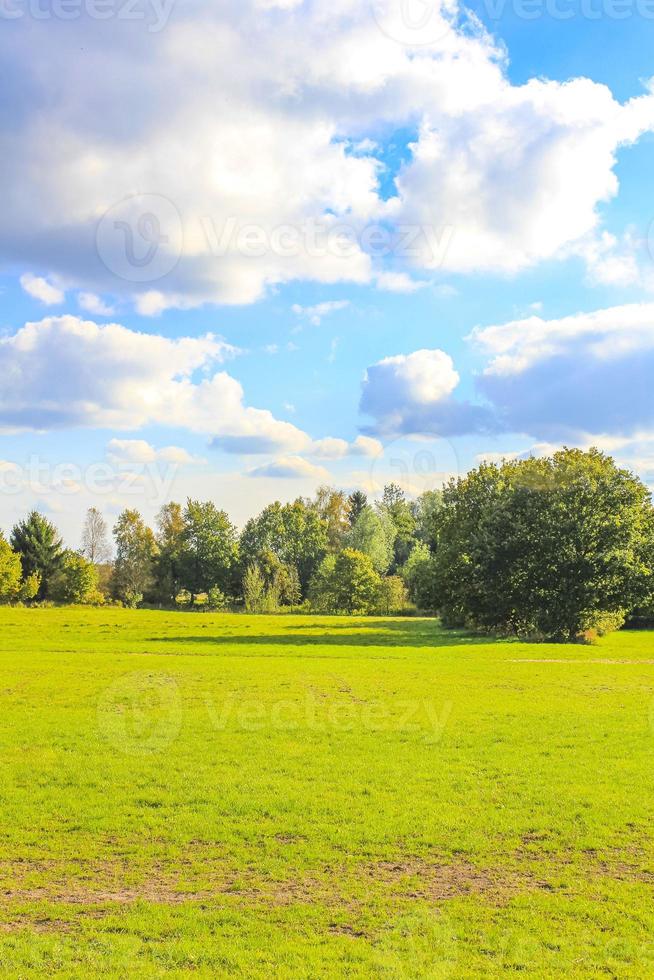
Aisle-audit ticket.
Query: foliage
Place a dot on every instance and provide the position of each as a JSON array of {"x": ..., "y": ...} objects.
[
  {"x": 391, "y": 597},
  {"x": 136, "y": 550},
  {"x": 357, "y": 501},
  {"x": 419, "y": 574},
  {"x": 169, "y": 562},
  {"x": 544, "y": 546},
  {"x": 333, "y": 508},
  {"x": 37, "y": 542},
  {"x": 76, "y": 581},
  {"x": 216, "y": 600},
  {"x": 295, "y": 533},
  {"x": 11, "y": 573},
  {"x": 209, "y": 549},
  {"x": 395, "y": 506},
  {"x": 254, "y": 589},
  {"x": 346, "y": 583},
  {"x": 426, "y": 511},
  {"x": 322, "y": 588},
  {"x": 374, "y": 535}
]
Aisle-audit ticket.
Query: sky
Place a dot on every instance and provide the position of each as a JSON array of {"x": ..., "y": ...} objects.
[{"x": 249, "y": 248}]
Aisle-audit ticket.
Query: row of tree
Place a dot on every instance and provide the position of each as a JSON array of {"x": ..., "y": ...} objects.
[
  {"x": 338, "y": 551},
  {"x": 545, "y": 547}
]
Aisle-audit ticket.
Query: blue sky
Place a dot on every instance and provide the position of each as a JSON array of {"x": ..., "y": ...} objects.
[{"x": 495, "y": 295}]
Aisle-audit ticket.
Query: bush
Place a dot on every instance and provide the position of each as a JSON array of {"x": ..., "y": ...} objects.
[
  {"x": 392, "y": 596},
  {"x": 216, "y": 600},
  {"x": 346, "y": 583},
  {"x": 75, "y": 582}
]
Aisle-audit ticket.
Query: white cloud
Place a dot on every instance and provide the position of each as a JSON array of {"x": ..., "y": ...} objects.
[
  {"x": 578, "y": 377},
  {"x": 331, "y": 448},
  {"x": 366, "y": 446},
  {"x": 316, "y": 314},
  {"x": 138, "y": 451},
  {"x": 291, "y": 468},
  {"x": 93, "y": 304},
  {"x": 282, "y": 145},
  {"x": 63, "y": 372},
  {"x": 42, "y": 290},
  {"x": 412, "y": 394},
  {"x": 420, "y": 378},
  {"x": 399, "y": 282}
]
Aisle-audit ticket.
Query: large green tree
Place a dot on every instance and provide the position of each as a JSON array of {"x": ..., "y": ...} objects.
[
  {"x": 136, "y": 550},
  {"x": 41, "y": 550},
  {"x": 76, "y": 580},
  {"x": 346, "y": 583},
  {"x": 13, "y": 587},
  {"x": 551, "y": 546},
  {"x": 295, "y": 533},
  {"x": 169, "y": 563},
  {"x": 357, "y": 502},
  {"x": 333, "y": 507},
  {"x": 374, "y": 535},
  {"x": 210, "y": 549},
  {"x": 395, "y": 505}
]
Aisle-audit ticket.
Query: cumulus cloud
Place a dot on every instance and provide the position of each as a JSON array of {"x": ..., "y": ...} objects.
[
  {"x": 41, "y": 289},
  {"x": 584, "y": 378},
  {"x": 316, "y": 314},
  {"x": 63, "y": 372},
  {"x": 138, "y": 451},
  {"x": 331, "y": 448},
  {"x": 283, "y": 148},
  {"x": 412, "y": 394},
  {"x": 290, "y": 468},
  {"x": 93, "y": 304},
  {"x": 586, "y": 374}
]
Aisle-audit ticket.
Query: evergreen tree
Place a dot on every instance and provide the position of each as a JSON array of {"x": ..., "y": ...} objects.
[{"x": 40, "y": 548}]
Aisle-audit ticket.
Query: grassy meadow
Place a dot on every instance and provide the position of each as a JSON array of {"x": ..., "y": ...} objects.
[{"x": 296, "y": 797}]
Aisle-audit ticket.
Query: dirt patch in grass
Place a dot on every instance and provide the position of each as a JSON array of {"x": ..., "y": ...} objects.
[
  {"x": 349, "y": 887},
  {"x": 419, "y": 879}
]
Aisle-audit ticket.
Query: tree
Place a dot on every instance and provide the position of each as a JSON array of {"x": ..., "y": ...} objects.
[
  {"x": 426, "y": 511},
  {"x": 419, "y": 575},
  {"x": 391, "y": 596},
  {"x": 254, "y": 589},
  {"x": 553, "y": 547},
  {"x": 346, "y": 583},
  {"x": 358, "y": 502},
  {"x": 333, "y": 507},
  {"x": 322, "y": 588},
  {"x": 374, "y": 535},
  {"x": 395, "y": 505},
  {"x": 216, "y": 600},
  {"x": 295, "y": 533},
  {"x": 11, "y": 573},
  {"x": 168, "y": 566},
  {"x": 281, "y": 581},
  {"x": 95, "y": 542},
  {"x": 76, "y": 581},
  {"x": 136, "y": 549},
  {"x": 210, "y": 549},
  {"x": 37, "y": 542}
]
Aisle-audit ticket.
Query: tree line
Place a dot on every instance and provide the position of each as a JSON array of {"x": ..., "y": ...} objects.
[{"x": 553, "y": 548}]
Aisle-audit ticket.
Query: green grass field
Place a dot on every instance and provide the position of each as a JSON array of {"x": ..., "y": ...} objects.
[{"x": 302, "y": 797}]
